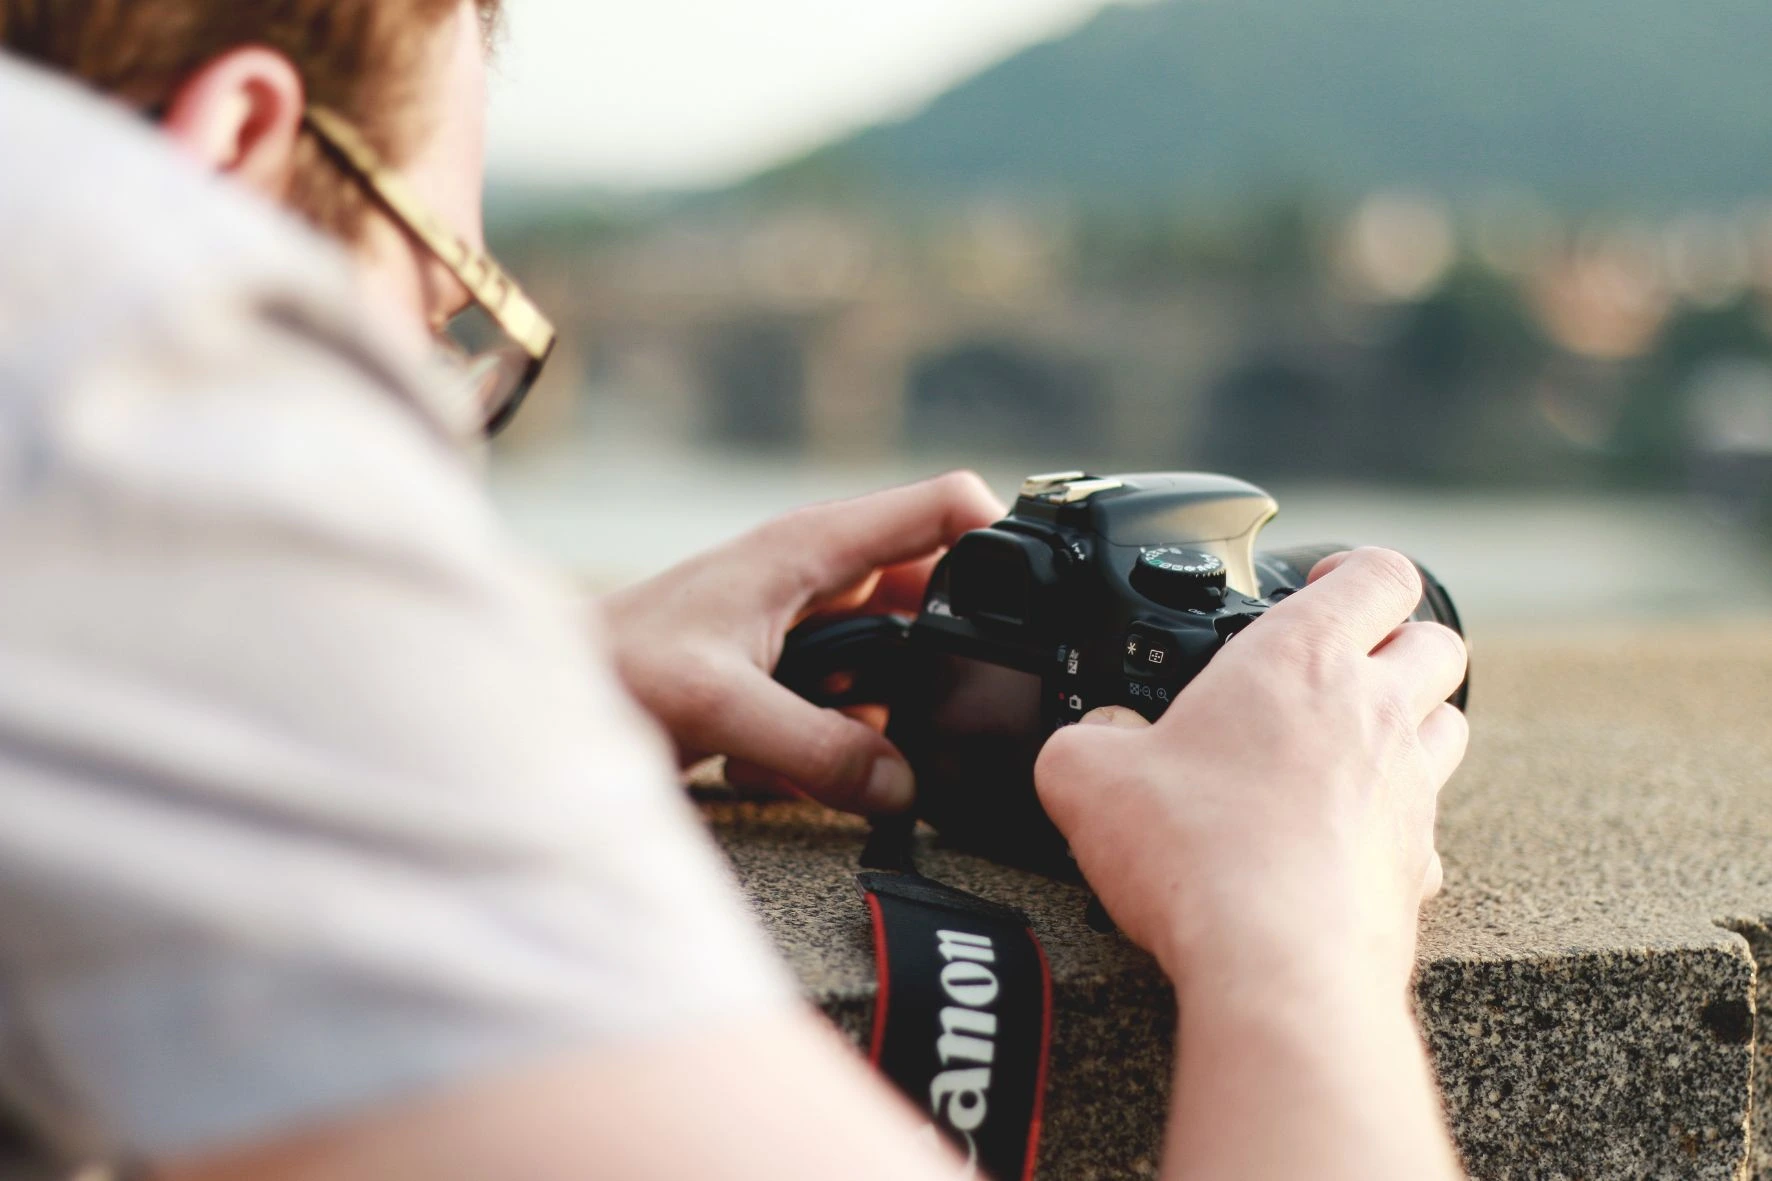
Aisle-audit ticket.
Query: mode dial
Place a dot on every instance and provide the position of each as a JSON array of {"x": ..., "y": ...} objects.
[{"x": 1179, "y": 577}]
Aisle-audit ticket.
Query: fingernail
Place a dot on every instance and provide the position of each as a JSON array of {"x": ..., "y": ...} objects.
[
  {"x": 891, "y": 786},
  {"x": 1112, "y": 715}
]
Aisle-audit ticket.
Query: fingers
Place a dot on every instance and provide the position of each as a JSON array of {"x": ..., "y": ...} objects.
[
  {"x": 1357, "y": 602},
  {"x": 838, "y": 545},
  {"x": 751, "y": 782},
  {"x": 899, "y": 589},
  {"x": 772, "y": 736},
  {"x": 1444, "y": 736},
  {"x": 1428, "y": 660},
  {"x": 849, "y": 600},
  {"x": 902, "y": 587}
]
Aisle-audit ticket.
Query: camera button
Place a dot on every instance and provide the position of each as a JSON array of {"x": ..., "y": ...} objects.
[
  {"x": 1186, "y": 579},
  {"x": 1070, "y": 660},
  {"x": 1071, "y": 707},
  {"x": 1147, "y": 698},
  {"x": 1150, "y": 652}
]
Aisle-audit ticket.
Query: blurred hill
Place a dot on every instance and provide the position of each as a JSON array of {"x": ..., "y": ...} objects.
[
  {"x": 1512, "y": 244},
  {"x": 1641, "y": 104}
]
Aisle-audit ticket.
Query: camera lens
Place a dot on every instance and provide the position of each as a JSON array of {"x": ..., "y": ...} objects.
[{"x": 1288, "y": 569}]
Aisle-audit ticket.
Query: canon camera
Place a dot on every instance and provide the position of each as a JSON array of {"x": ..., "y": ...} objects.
[{"x": 1094, "y": 591}]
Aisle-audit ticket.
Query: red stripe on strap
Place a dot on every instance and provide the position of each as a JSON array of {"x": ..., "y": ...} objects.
[
  {"x": 1033, "y": 1152},
  {"x": 884, "y": 990}
]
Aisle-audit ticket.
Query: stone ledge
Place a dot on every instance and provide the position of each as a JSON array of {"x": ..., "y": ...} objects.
[{"x": 1587, "y": 982}]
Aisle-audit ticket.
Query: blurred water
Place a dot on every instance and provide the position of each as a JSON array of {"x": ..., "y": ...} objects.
[{"x": 615, "y": 510}]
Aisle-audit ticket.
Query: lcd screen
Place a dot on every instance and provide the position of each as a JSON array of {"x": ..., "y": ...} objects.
[{"x": 979, "y": 731}]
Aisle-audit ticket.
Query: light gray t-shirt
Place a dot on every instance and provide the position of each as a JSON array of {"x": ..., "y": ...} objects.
[{"x": 314, "y": 793}]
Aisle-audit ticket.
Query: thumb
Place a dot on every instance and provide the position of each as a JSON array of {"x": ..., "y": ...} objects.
[
  {"x": 1114, "y": 715},
  {"x": 841, "y": 762},
  {"x": 1075, "y": 755}
]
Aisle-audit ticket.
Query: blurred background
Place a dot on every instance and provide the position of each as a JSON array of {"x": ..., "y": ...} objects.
[{"x": 1491, "y": 283}]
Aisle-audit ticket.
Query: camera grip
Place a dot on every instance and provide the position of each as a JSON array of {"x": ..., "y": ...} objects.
[{"x": 843, "y": 662}]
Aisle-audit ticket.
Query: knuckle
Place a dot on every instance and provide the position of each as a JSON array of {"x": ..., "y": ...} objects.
[
  {"x": 1451, "y": 641},
  {"x": 1455, "y": 721},
  {"x": 1428, "y": 648},
  {"x": 1391, "y": 568},
  {"x": 832, "y": 759},
  {"x": 966, "y": 491},
  {"x": 1394, "y": 718},
  {"x": 789, "y": 532},
  {"x": 799, "y": 547},
  {"x": 963, "y": 484},
  {"x": 703, "y": 692},
  {"x": 772, "y": 541},
  {"x": 1311, "y": 655}
]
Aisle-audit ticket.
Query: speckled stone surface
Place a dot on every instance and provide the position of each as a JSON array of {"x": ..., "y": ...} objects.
[{"x": 1588, "y": 980}]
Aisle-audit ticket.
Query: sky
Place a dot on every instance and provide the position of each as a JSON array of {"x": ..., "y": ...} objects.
[{"x": 638, "y": 94}]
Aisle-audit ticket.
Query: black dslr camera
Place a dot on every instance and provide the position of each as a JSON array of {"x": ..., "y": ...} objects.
[{"x": 1094, "y": 591}]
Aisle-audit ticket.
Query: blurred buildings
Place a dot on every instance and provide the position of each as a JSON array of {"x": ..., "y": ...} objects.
[{"x": 1388, "y": 340}]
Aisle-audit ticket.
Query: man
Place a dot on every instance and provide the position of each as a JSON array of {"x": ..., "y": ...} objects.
[{"x": 333, "y": 848}]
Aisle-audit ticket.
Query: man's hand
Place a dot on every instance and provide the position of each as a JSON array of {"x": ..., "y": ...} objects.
[
  {"x": 1286, "y": 800},
  {"x": 1270, "y": 840},
  {"x": 697, "y": 644}
]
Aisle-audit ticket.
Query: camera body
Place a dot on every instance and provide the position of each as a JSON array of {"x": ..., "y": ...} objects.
[{"x": 1094, "y": 591}]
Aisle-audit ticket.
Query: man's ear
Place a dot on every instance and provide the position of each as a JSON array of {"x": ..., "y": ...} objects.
[{"x": 241, "y": 115}]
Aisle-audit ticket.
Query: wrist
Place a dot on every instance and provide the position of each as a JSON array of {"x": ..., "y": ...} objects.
[
  {"x": 1266, "y": 976},
  {"x": 1304, "y": 932},
  {"x": 1309, "y": 1008},
  {"x": 1321, "y": 1051}
]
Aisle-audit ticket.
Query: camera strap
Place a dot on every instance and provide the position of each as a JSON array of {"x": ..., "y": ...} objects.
[{"x": 963, "y": 1013}]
